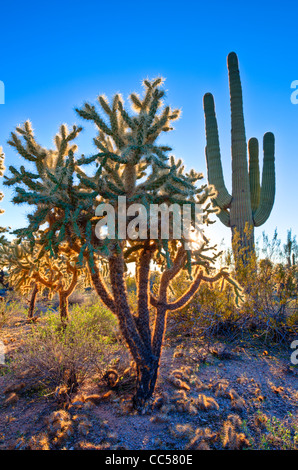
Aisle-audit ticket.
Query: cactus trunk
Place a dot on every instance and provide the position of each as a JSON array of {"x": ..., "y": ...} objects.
[
  {"x": 63, "y": 307},
  {"x": 241, "y": 221},
  {"x": 135, "y": 329},
  {"x": 250, "y": 203},
  {"x": 32, "y": 301}
]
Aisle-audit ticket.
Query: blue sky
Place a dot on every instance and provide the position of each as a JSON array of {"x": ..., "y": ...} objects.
[{"x": 56, "y": 55}]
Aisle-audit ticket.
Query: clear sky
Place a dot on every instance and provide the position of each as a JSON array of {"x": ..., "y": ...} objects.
[{"x": 56, "y": 55}]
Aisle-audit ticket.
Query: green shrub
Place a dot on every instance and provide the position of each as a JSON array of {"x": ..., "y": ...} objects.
[
  {"x": 87, "y": 345},
  {"x": 11, "y": 309},
  {"x": 280, "y": 435}
]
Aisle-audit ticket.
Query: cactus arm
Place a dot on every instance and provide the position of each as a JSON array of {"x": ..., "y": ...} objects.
[
  {"x": 241, "y": 207},
  {"x": 214, "y": 167},
  {"x": 267, "y": 195},
  {"x": 224, "y": 217},
  {"x": 254, "y": 173}
]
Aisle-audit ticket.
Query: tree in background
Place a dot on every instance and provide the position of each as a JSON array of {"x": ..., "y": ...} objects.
[{"x": 34, "y": 271}]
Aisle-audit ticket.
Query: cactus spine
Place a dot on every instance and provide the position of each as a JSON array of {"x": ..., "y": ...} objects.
[{"x": 250, "y": 203}]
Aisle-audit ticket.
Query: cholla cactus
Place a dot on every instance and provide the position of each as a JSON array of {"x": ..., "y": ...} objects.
[
  {"x": 33, "y": 271},
  {"x": 50, "y": 188},
  {"x": 129, "y": 163},
  {"x": 250, "y": 203},
  {"x": 47, "y": 186},
  {"x": 21, "y": 266}
]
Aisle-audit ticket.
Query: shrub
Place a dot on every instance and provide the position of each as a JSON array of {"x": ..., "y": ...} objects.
[
  {"x": 61, "y": 356},
  {"x": 270, "y": 302},
  {"x": 212, "y": 311},
  {"x": 12, "y": 308}
]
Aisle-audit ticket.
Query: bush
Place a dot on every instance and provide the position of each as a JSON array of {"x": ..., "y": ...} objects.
[
  {"x": 269, "y": 308},
  {"x": 12, "y": 308},
  {"x": 57, "y": 356},
  {"x": 212, "y": 311},
  {"x": 271, "y": 303}
]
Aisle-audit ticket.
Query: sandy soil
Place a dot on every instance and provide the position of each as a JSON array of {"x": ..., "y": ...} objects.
[{"x": 204, "y": 399}]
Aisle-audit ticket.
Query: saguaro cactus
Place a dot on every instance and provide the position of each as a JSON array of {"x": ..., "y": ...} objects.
[{"x": 250, "y": 203}]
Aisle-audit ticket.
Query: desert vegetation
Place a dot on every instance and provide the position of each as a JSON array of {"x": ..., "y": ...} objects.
[{"x": 225, "y": 381}]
